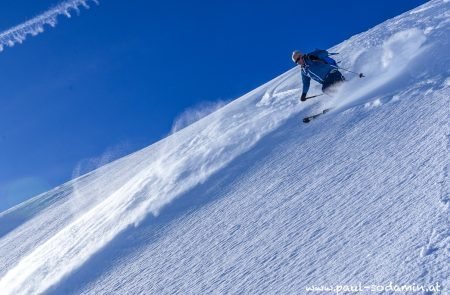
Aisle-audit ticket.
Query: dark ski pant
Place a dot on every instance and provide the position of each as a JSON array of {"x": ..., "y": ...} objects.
[{"x": 334, "y": 78}]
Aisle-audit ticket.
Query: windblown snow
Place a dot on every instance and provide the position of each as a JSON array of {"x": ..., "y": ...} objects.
[{"x": 250, "y": 200}]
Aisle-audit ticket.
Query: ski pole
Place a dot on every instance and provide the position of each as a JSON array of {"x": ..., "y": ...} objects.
[{"x": 361, "y": 75}]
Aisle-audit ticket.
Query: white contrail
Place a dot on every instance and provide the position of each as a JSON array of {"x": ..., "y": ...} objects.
[{"x": 35, "y": 26}]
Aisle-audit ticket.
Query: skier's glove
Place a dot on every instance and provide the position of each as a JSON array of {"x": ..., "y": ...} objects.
[{"x": 303, "y": 98}]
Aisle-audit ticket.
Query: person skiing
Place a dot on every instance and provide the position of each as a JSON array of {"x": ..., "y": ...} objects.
[{"x": 319, "y": 66}]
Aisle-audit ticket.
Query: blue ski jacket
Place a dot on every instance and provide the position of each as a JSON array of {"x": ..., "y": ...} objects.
[{"x": 317, "y": 66}]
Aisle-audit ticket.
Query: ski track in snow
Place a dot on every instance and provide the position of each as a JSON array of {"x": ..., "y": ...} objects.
[
  {"x": 36, "y": 25},
  {"x": 83, "y": 216}
]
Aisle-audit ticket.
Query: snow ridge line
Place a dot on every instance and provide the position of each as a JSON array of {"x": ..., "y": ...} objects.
[{"x": 35, "y": 26}]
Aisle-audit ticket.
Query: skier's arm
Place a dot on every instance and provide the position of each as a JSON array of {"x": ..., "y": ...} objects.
[{"x": 306, "y": 82}]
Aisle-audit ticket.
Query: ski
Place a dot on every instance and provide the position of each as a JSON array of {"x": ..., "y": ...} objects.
[{"x": 309, "y": 118}]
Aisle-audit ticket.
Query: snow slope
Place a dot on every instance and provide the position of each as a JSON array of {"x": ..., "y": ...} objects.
[{"x": 250, "y": 200}]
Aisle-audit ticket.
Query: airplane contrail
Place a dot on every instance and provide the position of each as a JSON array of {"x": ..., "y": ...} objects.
[{"x": 36, "y": 25}]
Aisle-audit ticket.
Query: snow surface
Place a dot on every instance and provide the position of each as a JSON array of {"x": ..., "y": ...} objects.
[{"x": 250, "y": 200}]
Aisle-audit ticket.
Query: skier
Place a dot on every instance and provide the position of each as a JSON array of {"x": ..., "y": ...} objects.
[{"x": 319, "y": 66}]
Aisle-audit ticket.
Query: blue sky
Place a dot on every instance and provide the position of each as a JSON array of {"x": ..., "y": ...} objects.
[{"x": 113, "y": 79}]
